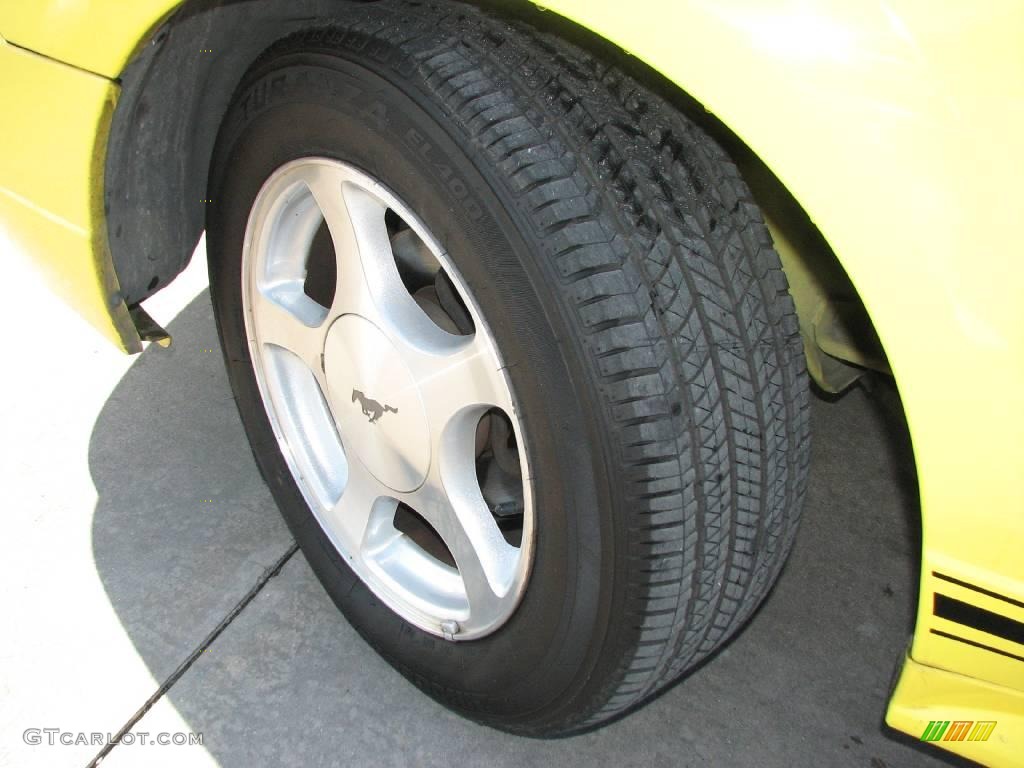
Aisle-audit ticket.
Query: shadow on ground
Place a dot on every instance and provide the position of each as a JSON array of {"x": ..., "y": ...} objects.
[{"x": 184, "y": 528}]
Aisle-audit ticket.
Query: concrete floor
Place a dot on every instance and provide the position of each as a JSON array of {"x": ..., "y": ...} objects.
[{"x": 136, "y": 523}]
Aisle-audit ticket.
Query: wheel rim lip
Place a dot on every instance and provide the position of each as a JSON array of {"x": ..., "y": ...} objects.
[{"x": 428, "y": 612}]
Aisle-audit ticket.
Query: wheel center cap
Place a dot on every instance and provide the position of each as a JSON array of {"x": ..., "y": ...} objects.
[{"x": 376, "y": 403}]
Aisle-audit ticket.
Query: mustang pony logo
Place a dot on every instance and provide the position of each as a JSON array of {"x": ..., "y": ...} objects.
[{"x": 371, "y": 408}]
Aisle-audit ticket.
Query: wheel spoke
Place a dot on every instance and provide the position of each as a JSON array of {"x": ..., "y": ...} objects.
[
  {"x": 351, "y": 516},
  {"x": 356, "y": 223},
  {"x": 459, "y": 514},
  {"x": 458, "y": 381},
  {"x": 288, "y": 320},
  {"x": 368, "y": 277}
]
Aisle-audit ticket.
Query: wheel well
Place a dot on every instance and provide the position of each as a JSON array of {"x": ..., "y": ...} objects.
[
  {"x": 177, "y": 87},
  {"x": 174, "y": 93},
  {"x": 840, "y": 341}
]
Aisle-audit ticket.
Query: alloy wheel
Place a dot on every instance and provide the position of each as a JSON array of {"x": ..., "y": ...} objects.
[{"x": 387, "y": 395}]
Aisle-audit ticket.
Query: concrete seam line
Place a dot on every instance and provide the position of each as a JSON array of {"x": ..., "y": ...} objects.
[{"x": 249, "y": 596}]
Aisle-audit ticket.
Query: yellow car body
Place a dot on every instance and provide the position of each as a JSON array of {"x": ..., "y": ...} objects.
[{"x": 896, "y": 126}]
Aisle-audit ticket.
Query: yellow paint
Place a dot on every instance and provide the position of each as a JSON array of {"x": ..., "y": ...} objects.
[
  {"x": 949, "y": 654},
  {"x": 923, "y": 694},
  {"x": 52, "y": 144},
  {"x": 896, "y": 124},
  {"x": 97, "y": 35}
]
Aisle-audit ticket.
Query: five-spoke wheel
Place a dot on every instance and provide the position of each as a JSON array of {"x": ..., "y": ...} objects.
[{"x": 387, "y": 396}]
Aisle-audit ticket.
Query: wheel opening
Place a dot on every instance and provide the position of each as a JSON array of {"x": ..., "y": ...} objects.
[
  {"x": 426, "y": 280},
  {"x": 408, "y": 521},
  {"x": 321, "y": 268},
  {"x": 499, "y": 473}
]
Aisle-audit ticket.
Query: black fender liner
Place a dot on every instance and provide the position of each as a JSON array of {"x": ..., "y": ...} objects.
[{"x": 174, "y": 93}]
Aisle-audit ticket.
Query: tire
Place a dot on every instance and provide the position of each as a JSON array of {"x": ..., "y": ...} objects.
[{"x": 641, "y": 312}]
